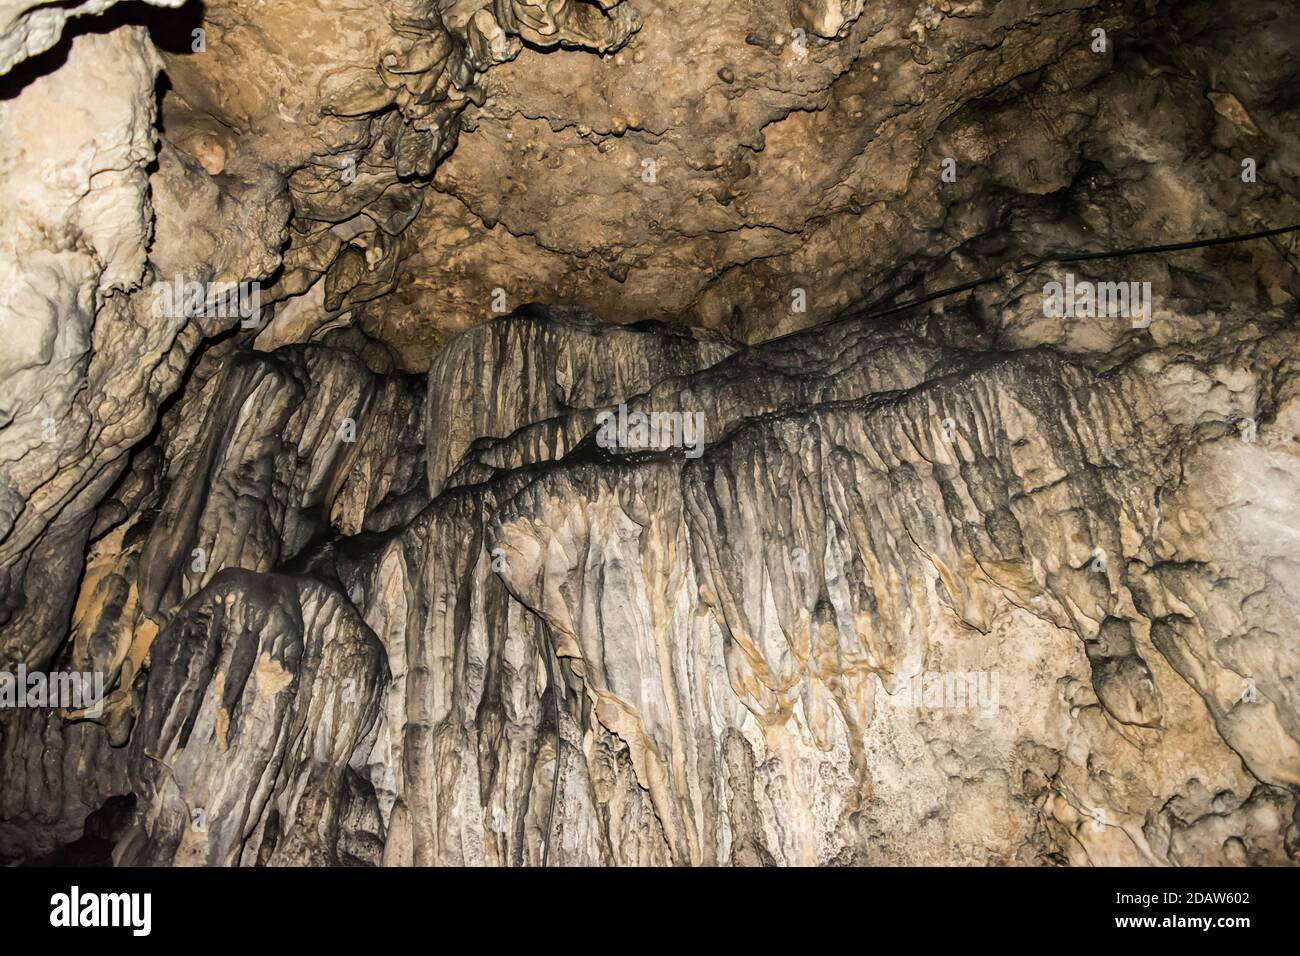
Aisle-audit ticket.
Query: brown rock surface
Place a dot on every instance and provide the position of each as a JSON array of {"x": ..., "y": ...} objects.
[{"x": 484, "y": 431}]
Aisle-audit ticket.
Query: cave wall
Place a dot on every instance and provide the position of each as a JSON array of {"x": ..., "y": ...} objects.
[{"x": 367, "y": 585}]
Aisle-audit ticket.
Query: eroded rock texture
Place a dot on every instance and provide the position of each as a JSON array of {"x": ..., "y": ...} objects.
[{"x": 545, "y": 469}]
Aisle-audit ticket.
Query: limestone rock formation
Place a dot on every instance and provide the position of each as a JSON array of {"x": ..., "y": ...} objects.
[
  {"x": 536, "y": 432},
  {"x": 29, "y": 27}
]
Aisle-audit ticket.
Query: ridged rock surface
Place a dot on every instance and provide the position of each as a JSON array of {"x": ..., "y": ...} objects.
[
  {"x": 735, "y": 647},
  {"x": 367, "y": 581}
]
